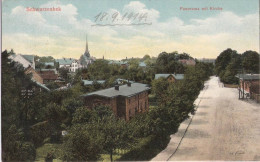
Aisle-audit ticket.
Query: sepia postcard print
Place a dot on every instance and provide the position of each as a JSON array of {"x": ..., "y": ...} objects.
[{"x": 122, "y": 80}]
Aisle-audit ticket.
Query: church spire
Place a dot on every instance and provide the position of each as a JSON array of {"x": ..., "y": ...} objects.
[{"x": 86, "y": 44}]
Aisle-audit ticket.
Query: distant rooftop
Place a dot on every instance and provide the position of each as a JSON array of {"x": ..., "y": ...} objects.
[
  {"x": 90, "y": 82},
  {"x": 42, "y": 85},
  {"x": 142, "y": 64},
  {"x": 120, "y": 62},
  {"x": 176, "y": 76},
  {"x": 65, "y": 61},
  {"x": 248, "y": 76},
  {"x": 124, "y": 90},
  {"x": 49, "y": 63}
]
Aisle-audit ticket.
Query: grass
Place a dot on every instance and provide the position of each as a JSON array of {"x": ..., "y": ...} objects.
[
  {"x": 42, "y": 151},
  {"x": 106, "y": 157},
  {"x": 231, "y": 85},
  {"x": 146, "y": 149},
  {"x": 116, "y": 155}
]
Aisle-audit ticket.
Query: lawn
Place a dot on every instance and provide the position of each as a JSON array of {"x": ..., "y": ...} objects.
[{"x": 41, "y": 152}]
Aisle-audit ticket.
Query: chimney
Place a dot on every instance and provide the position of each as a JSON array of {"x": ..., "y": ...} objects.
[
  {"x": 117, "y": 87},
  {"x": 128, "y": 84}
]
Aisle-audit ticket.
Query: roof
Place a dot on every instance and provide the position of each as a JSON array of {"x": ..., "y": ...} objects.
[
  {"x": 120, "y": 81},
  {"x": 65, "y": 61},
  {"x": 142, "y": 64},
  {"x": 29, "y": 58},
  {"x": 124, "y": 90},
  {"x": 48, "y": 75},
  {"x": 55, "y": 71},
  {"x": 117, "y": 62},
  {"x": 176, "y": 76},
  {"x": 187, "y": 61},
  {"x": 248, "y": 76},
  {"x": 42, "y": 85},
  {"x": 90, "y": 82},
  {"x": 49, "y": 63}
]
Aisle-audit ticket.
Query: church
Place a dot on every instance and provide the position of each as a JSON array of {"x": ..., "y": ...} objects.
[{"x": 86, "y": 59}]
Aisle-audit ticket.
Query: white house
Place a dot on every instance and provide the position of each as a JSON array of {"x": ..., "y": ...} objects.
[
  {"x": 72, "y": 64},
  {"x": 75, "y": 65},
  {"x": 25, "y": 60}
]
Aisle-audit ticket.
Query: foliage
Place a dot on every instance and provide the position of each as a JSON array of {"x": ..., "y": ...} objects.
[
  {"x": 251, "y": 60},
  {"x": 159, "y": 88},
  {"x": 99, "y": 129},
  {"x": 64, "y": 73},
  {"x": 146, "y": 148},
  {"x": 168, "y": 62},
  {"x": 15, "y": 148},
  {"x": 81, "y": 144},
  {"x": 229, "y": 63},
  {"x": 15, "y": 113}
]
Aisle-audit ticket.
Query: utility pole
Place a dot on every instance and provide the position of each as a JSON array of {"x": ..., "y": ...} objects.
[{"x": 243, "y": 83}]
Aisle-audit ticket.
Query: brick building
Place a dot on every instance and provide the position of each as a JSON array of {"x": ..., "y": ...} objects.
[
  {"x": 249, "y": 86},
  {"x": 48, "y": 75},
  {"x": 125, "y": 101}
]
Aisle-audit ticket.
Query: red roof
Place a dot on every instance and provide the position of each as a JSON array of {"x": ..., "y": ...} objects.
[
  {"x": 187, "y": 61},
  {"x": 48, "y": 75}
]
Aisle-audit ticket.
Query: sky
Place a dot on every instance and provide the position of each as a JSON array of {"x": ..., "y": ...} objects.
[{"x": 162, "y": 26}]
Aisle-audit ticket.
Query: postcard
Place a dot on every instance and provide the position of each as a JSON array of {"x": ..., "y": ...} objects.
[{"x": 130, "y": 80}]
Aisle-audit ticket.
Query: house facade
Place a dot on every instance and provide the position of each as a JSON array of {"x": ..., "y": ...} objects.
[
  {"x": 126, "y": 101},
  {"x": 75, "y": 65},
  {"x": 249, "y": 85}
]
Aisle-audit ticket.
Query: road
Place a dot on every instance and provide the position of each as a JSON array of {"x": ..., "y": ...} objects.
[{"x": 223, "y": 128}]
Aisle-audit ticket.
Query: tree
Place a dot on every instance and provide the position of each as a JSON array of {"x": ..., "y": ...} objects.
[
  {"x": 251, "y": 60},
  {"x": 224, "y": 59},
  {"x": 15, "y": 148},
  {"x": 146, "y": 57},
  {"x": 94, "y": 131},
  {"x": 81, "y": 144},
  {"x": 64, "y": 73},
  {"x": 168, "y": 63},
  {"x": 159, "y": 88},
  {"x": 15, "y": 114},
  {"x": 231, "y": 71}
]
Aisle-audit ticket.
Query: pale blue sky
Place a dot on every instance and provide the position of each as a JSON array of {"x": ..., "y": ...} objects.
[{"x": 199, "y": 33}]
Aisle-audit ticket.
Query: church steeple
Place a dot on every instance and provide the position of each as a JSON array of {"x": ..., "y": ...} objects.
[
  {"x": 86, "y": 54},
  {"x": 86, "y": 44}
]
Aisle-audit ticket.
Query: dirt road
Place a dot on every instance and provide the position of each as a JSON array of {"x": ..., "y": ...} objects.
[{"x": 223, "y": 128}]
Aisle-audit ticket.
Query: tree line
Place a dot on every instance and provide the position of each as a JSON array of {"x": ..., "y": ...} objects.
[{"x": 230, "y": 62}]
